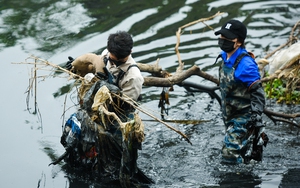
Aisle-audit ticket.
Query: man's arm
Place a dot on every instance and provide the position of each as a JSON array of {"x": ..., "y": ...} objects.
[
  {"x": 133, "y": 87},
  {"x": 257, "y": 97}
]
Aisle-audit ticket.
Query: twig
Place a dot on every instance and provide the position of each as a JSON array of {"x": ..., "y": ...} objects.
[
  {"x": 281, "y": 114},
  {"x": 290, "y": 41},
  {"x": 277, "y": 49},
  {"x": 178, "y": 33},
  {"x": 46, "y": 63},
  {"x": 63, "y": 116},
  {"x": 292, "y": 36},
  {"x": 35, "y": 87},
  {"x": 108, "y": 113},
  {"x": 155, "y": 118},
  {"x": 181, "y": 121}
]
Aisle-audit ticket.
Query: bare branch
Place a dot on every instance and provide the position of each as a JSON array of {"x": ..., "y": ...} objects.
[
  {"x": 155, "y": 118},
  {"x": 178, "y": 33}
]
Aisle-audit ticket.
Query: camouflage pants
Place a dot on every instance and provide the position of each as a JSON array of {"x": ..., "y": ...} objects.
[{"x": 237, "y": 141}]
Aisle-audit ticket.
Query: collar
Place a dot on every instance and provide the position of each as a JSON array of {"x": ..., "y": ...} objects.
[
  {"x": 124, "y": 66},
  {"x": 229, "y": 62}
]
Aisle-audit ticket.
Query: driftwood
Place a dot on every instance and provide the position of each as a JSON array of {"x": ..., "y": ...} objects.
[
  {"x": 161, "y": 78},
  {"x": 180, "y": 74},
  {"x": 38, "y": 63},
  {"x": 178, "y": 78},
  {"x": 157, "y": 78}
]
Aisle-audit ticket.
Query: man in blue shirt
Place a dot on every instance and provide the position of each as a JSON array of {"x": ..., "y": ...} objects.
[{"x": 242, "y": 95}]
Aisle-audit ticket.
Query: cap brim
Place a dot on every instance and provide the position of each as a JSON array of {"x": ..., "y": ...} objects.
[{"x": 226, "y": 33}]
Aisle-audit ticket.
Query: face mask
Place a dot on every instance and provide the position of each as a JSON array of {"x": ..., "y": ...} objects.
[{"x": 226, "y": 45}]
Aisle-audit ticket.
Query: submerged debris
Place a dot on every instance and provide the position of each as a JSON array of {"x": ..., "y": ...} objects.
[{"x": 103, "y": 139}]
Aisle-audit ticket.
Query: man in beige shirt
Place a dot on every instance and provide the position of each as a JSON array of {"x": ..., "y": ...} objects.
[
  {"x": 111, "y": 152},
  {"x": 118, "y": 61},
  {"x": 121, "y": 64},
  {"x": 132, "y": 81}
]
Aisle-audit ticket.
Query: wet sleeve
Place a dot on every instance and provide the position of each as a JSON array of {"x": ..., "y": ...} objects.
[
  {"x": 133, "y": 86},
  {"x": 257, "y": 97}
]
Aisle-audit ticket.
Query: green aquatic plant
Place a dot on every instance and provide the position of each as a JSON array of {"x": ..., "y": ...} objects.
[{"x": 282, "y": 91}]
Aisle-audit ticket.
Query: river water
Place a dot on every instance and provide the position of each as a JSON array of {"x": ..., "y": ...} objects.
[{"x": 54, "y": 30}]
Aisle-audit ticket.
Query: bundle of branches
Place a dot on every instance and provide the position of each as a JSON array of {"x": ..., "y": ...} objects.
[
  {"x": 97, "y": 104},
  {"x": 282, "y": 80}
]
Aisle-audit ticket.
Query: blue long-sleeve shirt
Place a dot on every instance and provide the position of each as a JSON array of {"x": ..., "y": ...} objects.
[{"x": 247, "y": 70}]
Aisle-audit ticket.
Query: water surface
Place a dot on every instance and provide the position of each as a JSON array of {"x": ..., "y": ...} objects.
[{"x": 54, "y": 30}]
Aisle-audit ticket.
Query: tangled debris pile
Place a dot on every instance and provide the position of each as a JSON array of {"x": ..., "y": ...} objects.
[{"x": 103, "y": 139}]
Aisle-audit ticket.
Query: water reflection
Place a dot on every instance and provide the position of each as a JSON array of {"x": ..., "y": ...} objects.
[
  {"x": 290, "y": 178},
  {"x": 55, "y": 29},
  {"x": 236, "y": 180}
]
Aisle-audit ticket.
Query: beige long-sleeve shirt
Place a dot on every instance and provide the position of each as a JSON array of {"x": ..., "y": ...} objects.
[{"x": 132, "y": 82}]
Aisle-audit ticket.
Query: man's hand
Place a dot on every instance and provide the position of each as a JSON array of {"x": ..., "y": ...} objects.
[{"x": 69, "y": 63}]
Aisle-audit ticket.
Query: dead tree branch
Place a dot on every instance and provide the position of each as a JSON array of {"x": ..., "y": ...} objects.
[
  {"x": 158, "y": 76},
  {"x": 181, "y": 75},
  {"x": 155, "y": 118},
  {"x": 178, "y": 77},
  {"x": 179, "y": 31}
]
